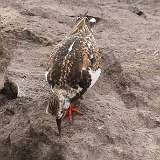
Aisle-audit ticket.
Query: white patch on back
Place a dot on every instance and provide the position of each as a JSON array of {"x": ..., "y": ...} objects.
[
  {"x": 70, "y": 48},
  {"x": 46, "y": 75},
  {"x": 66, "y": 103},
  {"x": 94, "y": 76}
]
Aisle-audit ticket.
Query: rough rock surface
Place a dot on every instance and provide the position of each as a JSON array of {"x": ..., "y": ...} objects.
[
  {"x": 121, "y": 118},
  {"x": 4, "y": 58}
]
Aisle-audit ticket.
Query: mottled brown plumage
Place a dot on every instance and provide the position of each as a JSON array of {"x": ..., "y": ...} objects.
[{"x": 72, "y": 66}]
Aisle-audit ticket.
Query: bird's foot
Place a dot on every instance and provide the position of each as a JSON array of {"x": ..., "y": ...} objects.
[{"x": 70, "y": 110}]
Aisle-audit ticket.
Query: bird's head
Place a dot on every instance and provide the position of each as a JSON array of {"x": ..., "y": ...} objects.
[
  {"x": 57, "y": 106},
  {"x": 84, "y": 23}
]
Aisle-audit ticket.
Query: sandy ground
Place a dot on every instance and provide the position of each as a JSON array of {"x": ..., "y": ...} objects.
[{"x": 121, "y": 119}]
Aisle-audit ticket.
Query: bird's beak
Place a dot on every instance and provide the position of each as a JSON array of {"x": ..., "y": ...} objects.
[{"x": 59, "y": 125}]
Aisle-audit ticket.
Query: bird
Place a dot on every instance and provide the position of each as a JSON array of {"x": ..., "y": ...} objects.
[{"x": 74, "y": 66}]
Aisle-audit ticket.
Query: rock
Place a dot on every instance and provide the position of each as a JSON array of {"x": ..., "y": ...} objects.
[
  {"x": 137, "y": 11},
  {"x": 8, "y": 88}
]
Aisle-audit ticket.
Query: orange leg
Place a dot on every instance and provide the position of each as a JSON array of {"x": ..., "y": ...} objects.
[{"x": 70, "y": 110}]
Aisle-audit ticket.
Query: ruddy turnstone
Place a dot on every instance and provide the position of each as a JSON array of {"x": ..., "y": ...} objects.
[{"x": 74, "y": 66}]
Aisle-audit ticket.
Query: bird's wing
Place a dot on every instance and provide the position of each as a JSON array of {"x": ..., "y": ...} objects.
[
  {"x": 73, "y": 63},
  {"x": 54, "y": 66}
]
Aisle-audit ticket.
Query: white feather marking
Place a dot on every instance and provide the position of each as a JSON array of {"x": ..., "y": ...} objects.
[
  {"x": 94, "y": 76},
  {"x": 92, "y": 56},
  {"x": 89, "y": 44},
  {"x": 46, "y": 74},
  {"x": 92, "y": 20},
  {"x": 70, "y": 48},
  {"x": 18, "y": 90}
]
